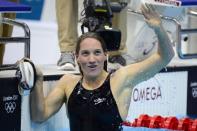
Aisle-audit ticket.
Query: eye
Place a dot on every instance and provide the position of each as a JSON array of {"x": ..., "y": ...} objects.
[
  {"x": 85, "y": 53},
  {"x": 98, "y": 52}
]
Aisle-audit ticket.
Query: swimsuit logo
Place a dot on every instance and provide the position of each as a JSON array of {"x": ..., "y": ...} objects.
[
  {"x": 10, "y": 107},
  {"x": 99, "y": 100}
]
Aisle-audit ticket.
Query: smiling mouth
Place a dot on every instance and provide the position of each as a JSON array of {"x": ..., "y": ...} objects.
[{"x": 92, "y": 66}]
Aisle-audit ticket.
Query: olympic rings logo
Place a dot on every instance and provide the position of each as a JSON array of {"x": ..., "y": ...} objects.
[
  {"x": 10, "y": 107},
  {"x": 194, "y": 92}
]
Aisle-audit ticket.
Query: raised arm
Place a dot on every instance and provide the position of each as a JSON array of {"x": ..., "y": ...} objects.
[
  {"x": 138, "y": 72},
  {"x": 44, "y": 107}
]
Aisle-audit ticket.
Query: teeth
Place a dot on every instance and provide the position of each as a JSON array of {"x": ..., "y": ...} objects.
[{"x": 92, "y": 66}]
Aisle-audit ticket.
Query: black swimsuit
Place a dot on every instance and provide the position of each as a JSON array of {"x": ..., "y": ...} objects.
[{"x": 93, "y": 110}]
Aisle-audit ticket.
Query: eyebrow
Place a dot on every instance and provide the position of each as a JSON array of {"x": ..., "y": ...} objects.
[{"x": 94, "y": 49}]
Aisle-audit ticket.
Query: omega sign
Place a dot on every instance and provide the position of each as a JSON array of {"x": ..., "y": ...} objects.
[
  {"x": 164, "y": 94},
  {"x": 146, "y": 94}
]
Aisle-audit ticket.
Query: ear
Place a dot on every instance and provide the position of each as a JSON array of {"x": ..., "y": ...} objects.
[
  {"x": 77, "y": 57},
  {"x": 106, "y": 55}
]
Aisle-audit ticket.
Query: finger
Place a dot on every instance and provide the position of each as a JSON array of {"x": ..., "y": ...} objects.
[
  {"x": 148, "y": 6},
  {"x": 143, "y": 7},
  {"x": 153, "y": 10},
  {"x": 152, "y": 7},
  {"x": 144, "y": 10}
]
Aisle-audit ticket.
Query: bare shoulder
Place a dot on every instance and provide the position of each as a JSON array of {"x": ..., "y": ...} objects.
[
  {"x": 67, "y": 82},
  {"x": 70, "y": 77},
  {"x": 119, "y": 75},
  {"x": 121, "y": 79}
]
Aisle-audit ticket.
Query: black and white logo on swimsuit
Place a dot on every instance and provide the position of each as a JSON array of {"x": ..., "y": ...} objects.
[{"x": 99, "y": 100}]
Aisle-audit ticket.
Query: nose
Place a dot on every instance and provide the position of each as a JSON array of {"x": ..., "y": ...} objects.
[{"x": 92, "y": 58}]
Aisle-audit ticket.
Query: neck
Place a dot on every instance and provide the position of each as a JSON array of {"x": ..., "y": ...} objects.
[{"x": 95, "y": 82}]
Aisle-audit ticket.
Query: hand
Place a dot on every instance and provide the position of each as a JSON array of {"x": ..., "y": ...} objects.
[
  {"x": 151, "y": 16},
  {"x": 39, "y": 74}
]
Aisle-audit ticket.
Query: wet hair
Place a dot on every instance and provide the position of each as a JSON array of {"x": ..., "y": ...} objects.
[
  {"x": 90, "y": 35},
  {"x": 95, "y": 36}
]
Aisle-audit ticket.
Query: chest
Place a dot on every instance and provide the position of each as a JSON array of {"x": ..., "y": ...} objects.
[
  {"x": 97, "y": 105},
  {"x": 100, "y": 100}
]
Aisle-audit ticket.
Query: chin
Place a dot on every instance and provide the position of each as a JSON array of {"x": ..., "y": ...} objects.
[{"x": 94, "y": 73}]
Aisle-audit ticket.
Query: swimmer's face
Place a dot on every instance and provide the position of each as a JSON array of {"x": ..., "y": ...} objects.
[{"x": 91, "y": 57}]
